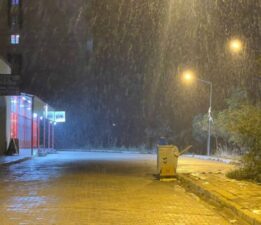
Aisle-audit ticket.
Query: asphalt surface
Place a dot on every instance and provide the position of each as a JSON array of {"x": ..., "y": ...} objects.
[{"x": 77, "y": 188}]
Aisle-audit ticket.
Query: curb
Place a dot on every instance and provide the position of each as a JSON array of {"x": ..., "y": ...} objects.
[
  {"x": 15, "y": 161},
  {"x": 218, "y": 200},
  {"x": 107, "y": 151},
  {"x": 215, "y": 158}
]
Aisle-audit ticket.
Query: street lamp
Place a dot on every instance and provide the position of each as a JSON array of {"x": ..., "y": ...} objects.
[
  {"x": 235, "y": 45},
  {"x": 188, "y": 76}
]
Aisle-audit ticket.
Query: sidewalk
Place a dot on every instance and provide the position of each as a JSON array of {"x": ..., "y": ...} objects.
[
  {"x": 207, "y": 178},
  {"x": 8, "y": 160}
]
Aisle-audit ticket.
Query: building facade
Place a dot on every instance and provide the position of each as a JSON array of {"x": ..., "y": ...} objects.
[
  {"x": 23, "y": 116},
  {"x": 4, "y": 70},
  {"x": 25, "y": 119},
  {"x": 11, "y": 23}
]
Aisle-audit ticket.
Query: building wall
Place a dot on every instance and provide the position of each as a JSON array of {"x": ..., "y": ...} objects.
[
  {"x": 10, "y": 26},
  {"x": 52, "y": 44},
  {"x": 3, "y": 28}
]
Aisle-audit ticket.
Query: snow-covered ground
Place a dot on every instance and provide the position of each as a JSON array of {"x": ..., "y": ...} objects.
[{"x": 214, "y": 158}]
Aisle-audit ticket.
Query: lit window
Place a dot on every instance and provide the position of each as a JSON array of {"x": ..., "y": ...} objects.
[
  {"x": 15, "y": 2},
  {"x": 15, "y": 39}
]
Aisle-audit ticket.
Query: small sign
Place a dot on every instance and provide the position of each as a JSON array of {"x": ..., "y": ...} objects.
[{"x": 59, "y": 117}]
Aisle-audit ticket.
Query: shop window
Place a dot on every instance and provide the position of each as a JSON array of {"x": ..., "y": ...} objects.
[{"x": 21, "y": 120}]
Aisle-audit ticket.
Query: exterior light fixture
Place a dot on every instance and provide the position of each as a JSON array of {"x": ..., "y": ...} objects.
[
  {"x": 188, "y": 75},
  {"x": 235, "y": 45}
]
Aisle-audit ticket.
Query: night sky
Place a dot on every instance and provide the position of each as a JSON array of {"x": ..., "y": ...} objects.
[{"x": 114, "y": 65}]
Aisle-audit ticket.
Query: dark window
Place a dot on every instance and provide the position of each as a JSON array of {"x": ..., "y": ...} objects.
[
  {"x": 15, "y": 14},
  {"x": 15, "y": 61},
  {"x": 14, "y": 21}
]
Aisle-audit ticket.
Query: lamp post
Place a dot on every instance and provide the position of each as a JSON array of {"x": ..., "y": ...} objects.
[
  {"x": 189, "y": 75},
  {"x": 237, "y": 45},
  {"x": 209, "y": 113}
]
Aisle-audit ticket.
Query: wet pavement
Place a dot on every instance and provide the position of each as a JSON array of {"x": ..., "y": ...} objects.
[
  {"x": 97, "y": 188},
  {"x": 241, "y": 196},
  {"x": 24, "y": 154}
]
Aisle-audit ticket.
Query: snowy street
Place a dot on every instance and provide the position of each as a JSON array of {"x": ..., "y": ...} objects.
[{"x": 97, "y": 188}]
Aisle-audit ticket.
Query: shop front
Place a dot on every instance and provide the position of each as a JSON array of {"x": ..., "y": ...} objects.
[{"x": 27, "y": 127}]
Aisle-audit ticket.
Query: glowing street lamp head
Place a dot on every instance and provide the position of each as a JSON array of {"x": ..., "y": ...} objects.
[
  {"x": 188, "y": 75},
  {"x": 235, "y": 45}
]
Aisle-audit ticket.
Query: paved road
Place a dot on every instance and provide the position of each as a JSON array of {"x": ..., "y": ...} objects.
[{"x": 97, "y": 188}]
